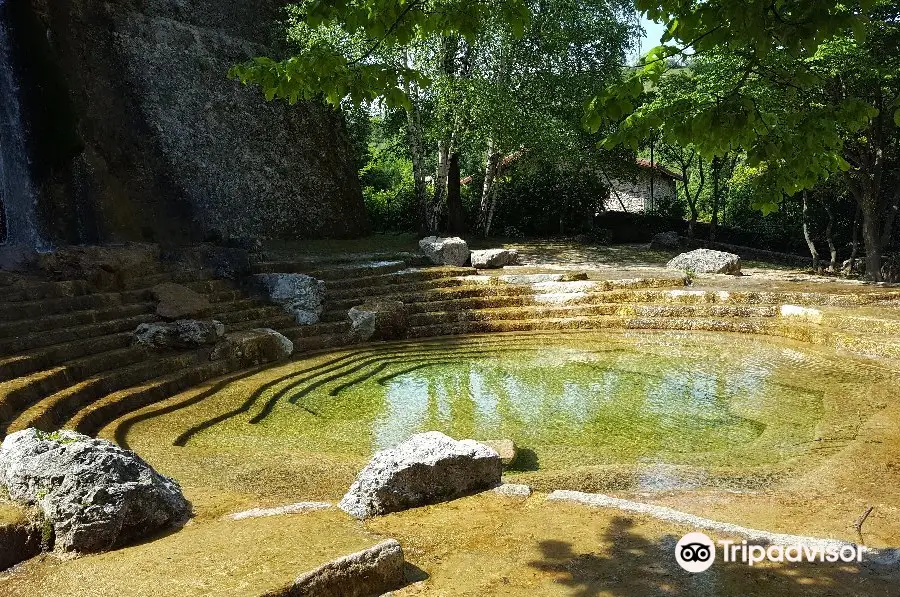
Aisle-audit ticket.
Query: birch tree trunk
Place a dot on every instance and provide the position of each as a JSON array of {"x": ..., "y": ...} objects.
[
  {"x": 488, "y": 198},
  {"x": 416, "y": 149},
  {"x": 809, "y": 242}
]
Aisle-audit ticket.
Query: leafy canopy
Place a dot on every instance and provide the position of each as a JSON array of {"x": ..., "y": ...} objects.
[
  {"x": 750, "y": 75},
  {"x": 352, "y": 60}
]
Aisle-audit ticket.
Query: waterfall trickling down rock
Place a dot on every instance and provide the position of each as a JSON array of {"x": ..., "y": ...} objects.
[{"x": 18, "y": 196}]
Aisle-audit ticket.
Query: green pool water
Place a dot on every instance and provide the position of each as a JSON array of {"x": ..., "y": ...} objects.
[{"x": 570, "y": 401}]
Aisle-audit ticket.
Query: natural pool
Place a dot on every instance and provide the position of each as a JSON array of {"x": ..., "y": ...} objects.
[{"x": 588, "y": 410}]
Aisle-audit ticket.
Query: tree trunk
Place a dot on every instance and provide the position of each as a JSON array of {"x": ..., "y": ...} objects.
[
  {"x": 417, "y": 151},
  {"x": 488, "y": 201},
  {"x": 854, "y": 253},
  {"x": 456, "y": 217},
  {"x": 872, "y": 240},
  {"x": 807, "y": 237},
  {"x": 440, "y": 186},
  {"x": 829, "y": 236},
  {"x": 714, "y": 223}
]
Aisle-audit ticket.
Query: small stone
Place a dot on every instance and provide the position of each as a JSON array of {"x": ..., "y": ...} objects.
[
  {"x": 494, "y": 258},
  {"x": 184, "y": 333},
  {"x": 175, "y": 301},
  {"x": 380, "y": 320},
  {"x": 298, "y": 508},
  {"x": 707, "y": 261},
  {"x": 374, "y": 571},
  {"x": 445, "y": 251},
  {"x": 96, "y": 495},
  {"x": 253, "y": 347},
  {"x": 506, "y": 448},
  {"x": 425, "y": 469},
  {"x": 513, "y": 490}
]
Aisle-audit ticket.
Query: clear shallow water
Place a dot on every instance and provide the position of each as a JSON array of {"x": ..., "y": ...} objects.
[{"x": 577, "y": 401}]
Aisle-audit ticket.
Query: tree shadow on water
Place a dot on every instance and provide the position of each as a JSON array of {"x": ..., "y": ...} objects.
[{"x": 635, "y": 566}]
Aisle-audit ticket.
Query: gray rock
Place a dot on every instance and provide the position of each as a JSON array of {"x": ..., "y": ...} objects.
[
  {"x": 175, "y": 301},
  {"x": 253, "y": 347},
  {"x": 513, "y": 490},
  {"x": 494, "y": 258},
  {"x": 379, "y": 320},
  {"x": 184, "y": 333},
  {"x": 445, "y": 251},
  {"x": 170, "y": 144},
  {"x": 707, "y": 261},
  {"x": 665, "y": 241},
  {"x": 505, "y": 448},
  {"x": 425, "y": 469},
  {"x": 300, "y": 295},
  {"x": 95, "y": 495},
  {"x": 374, "y": 571}
]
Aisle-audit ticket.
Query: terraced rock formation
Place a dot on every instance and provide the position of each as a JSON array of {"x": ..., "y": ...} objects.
[{"x": 67, "y": 357}]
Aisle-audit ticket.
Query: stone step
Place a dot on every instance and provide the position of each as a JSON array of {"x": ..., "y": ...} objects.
[
  {"x": 77, "y": 318},
  {"x": 404, "y": 276},
  {"x": 336, "y": 271},
  {"x": 254, "y": 311},
  {"x": 16, "y": 344},
  {"x": 55, "y": 410},
  {"x": 752, "y": 326},
  {"x": 52, "y": 356},
  {"x": 362, "y": 294},
  {"x": 35, "y": 291},
  {"x": 58, "y": 306},
  {"x": 613, "y": 309},
  {"x": 19, "y": 394},
  {"x": 278, "y": 321},
  {"x": 438, "y": 294},
  {"x": 94, "y": 416},
  {"x": 296, "y": 333}
]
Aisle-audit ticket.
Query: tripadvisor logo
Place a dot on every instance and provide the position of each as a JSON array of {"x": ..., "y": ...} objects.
[{"x": 696, "y": 552}]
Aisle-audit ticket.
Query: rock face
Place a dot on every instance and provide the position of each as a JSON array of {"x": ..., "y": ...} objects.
[
  {"x": 96, "y": 495},
  {"x": 105, "y": 268},
  {"x": 374, "y": 571},
  {"x": 175, "y": 301},
  {"x": 302, "y": 296},
  {"x": 665, "y": 241},
  {"x": 157, "y": 143},
  {"x": 445, "y": 251},
  {"x": 707, "y": 261},
  {"x": 381, "y": 320},
  {"x": 253, "y": 347},
  {"x": 184, "y": 333},
  {"x": 425, "y": 469},
  {"x": 494, "y": 258}
]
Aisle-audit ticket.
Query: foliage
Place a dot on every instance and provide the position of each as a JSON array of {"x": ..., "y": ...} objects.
[
  {"x": 747, "y": 86},
  {"x": 348, "y": 44},
  {"x": 542, "y": 198}
]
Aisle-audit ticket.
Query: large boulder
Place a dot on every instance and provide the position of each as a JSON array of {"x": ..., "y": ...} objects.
[
  {"x": 105, "y": 268},
  {"x": 379, "y": 320},
  {"x": 144, "y": 135},
  {"x": 665, "y": 241},
  {"x": 707, "y": 261},
  {"x": 300, "y": 295},
  {"x": 445, "y": 251},
  {"x": 494, "y": 258},
  {"x": 253, "y": 347},
  {"x": 174, "y": 301},
  {"x": 95, "y": 495},
  {"x": 374, "y": 571},
  {"x": 184, "y": 333},
  {"x": 425, "y": 469}
]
